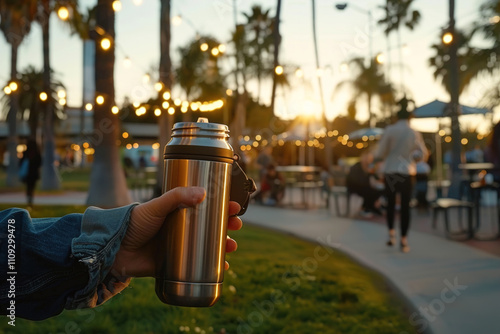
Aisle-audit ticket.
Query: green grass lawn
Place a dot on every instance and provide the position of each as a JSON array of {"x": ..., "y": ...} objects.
[{"x": 276, "y": 284}]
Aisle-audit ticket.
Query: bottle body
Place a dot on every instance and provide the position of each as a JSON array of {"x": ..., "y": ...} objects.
[{"x": 192, "y": 254}]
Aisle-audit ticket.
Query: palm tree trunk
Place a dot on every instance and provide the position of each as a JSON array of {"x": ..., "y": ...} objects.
[
  {"x": 401, "y": 65},
  {"x": 277, "y": 41},
  {"x": 12, "y": 139},
  {"x": 50, "y": 179},
  {"x": 454, "y": 99},
  {"x": 165, "y": 121},
  {"x": 108, "y": 187},
  {"x": 328, "y": 147}
]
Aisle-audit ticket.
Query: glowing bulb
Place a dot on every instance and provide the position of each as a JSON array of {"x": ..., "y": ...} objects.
[
  {"x": 171, "y": 111},
  {"x": 13, "y": 86},
  {"x": 448, "y": 38},
  {"x": 63, "y": 13},
  {"x": 62, "y": 102},
  {"x": 176, "y": 20},
  {"x": 229, "y": 92},
  {"x": 88, "y": 107},
  {"x": 158, "y": 86},
  {"x": 299, "y": 73},
  {"x": 380, "y": 58},
  {"x": 177, "y": 102},
  {"x": 125, "y": 135},
  {"x": 43, "y": 96},
  {"x": 117, "y": 5},
  {"x": 7, "y": 90},
  {"x": 222, "y": 48},
  {"x": 215, "y": 52},
  {"x": 279, "y": 70},
  {"x": 166, "y": 95},
  {"x": 115, "y": 110},
  {"x": 61, "y": 94},
  {"x": 127, "y": 62},
  {"x": 99, "y": 99},
  {"x": 105, "y": 44},
  {"x": 204, "y": 47},
  {"x": 157, "y": 112},
  {"x": 165, "y": 105}
]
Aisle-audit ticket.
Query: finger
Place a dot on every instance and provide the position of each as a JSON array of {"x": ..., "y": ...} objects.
[
  {"x": 234, "y": 208},
  {"x": 178, "y": 197},
  {"x": 234, "y": 223},
  {"x": 231, "y": 245}
]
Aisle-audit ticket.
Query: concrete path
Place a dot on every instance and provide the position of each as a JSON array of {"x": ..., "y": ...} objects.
[{"x": 454, "y": 288}]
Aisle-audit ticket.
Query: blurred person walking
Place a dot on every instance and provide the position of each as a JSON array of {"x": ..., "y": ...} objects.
[
  {"x": 396, "y": 147},
  {"x": 29, "y": 169}
]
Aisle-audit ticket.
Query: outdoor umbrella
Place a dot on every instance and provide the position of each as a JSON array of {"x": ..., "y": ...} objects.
[{"x": 440, "y": 109}]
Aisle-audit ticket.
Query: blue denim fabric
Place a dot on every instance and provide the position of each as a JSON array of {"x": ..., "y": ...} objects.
[{"x": 60, "y": 262}]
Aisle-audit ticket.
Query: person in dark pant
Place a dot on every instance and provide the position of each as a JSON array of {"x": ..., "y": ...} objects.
[
  {"x": 396, "y": 148},
  {"x": 34, "y": 161},
  {"x": 359, "y": 181}
]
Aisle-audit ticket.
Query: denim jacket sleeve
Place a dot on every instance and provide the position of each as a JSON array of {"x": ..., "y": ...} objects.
[{"x": 57, "y": 263}]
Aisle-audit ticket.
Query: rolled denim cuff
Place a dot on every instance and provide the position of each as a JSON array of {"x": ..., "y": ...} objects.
[{"x": 102, "y": 232}]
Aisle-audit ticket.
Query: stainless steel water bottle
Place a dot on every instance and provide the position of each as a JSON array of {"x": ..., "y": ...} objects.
[{"x": 190, "y": 267}]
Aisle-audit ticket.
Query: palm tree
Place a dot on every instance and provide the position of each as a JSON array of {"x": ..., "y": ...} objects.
[
  {"x": 440, "y": 62},
  {"x": 276, "y": 45},
  {"x": 199, "y": 72},
  {"x": 15, "y": 23},
  {"x": 165, "y": 121},
  {"x": 30, "y": 86},
  {"x": 487, "y": 59},
  {"x": 398, "y": 13},
  {"x": 108, "y": 187},
  {"x": 370, "y": 82},
  {"x": 259, "y": 28}
]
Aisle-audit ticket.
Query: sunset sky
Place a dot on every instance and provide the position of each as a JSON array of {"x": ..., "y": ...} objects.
[{"x": 341, "y": 35}]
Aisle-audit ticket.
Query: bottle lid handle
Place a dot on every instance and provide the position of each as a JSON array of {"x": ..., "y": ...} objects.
[{"x": 241, "y": 187}]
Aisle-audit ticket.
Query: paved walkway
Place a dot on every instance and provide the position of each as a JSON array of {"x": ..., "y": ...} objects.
[{"x": 452, "y": 287}]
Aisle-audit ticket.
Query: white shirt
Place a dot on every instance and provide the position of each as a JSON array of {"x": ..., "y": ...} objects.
[{"x": 396, "y": 146}]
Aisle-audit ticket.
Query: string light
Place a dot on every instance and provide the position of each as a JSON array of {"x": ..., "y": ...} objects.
[
  {"x": 279, "y": 70},
  {"x": 165, "y": 105},
  {"x": 204, "y": 47},
  {"x": 157, "y": 112},
  {"x": 447, "y": 38},
  {"x": 166, "y": 96},
  {"x": 105, "y": 44},
  {"x": 215, "y": 52},
  {"x": 125, "y": 135},
  {"x": 222, "y": 48},
  {"x": 117, "y": 5},
  {"x": 299, "y": 73},
  {"x": 13, "y": 86},
  {"x": 99, "y": 99},
  {"x": 61, "y": 94},
  {"x": 63, "y": 13},
  {"x": 88, "y": 107},
  {"x": 171, "y": 111},
  {"x": 158, "y": 86},
  {"x": 127, "y": 62},
  {"x": 43, "y": 96},
  {"x": 7, "y": 90},
  {"x": 380, "y": 58},
  {"x": 115, "y": 110}
]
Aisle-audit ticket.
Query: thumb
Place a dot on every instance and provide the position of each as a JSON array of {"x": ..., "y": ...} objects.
[{"x": 178, "y": 197}]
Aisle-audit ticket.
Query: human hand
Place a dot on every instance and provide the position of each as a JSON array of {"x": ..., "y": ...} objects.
[{"x": 136, "y": 256}]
